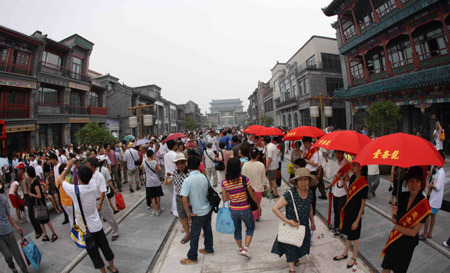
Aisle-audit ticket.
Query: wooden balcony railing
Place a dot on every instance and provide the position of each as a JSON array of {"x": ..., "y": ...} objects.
[
  {"x": 60, "y": 108},
  {"x": 61, "y": 71},
  {"x": 14, "y": 112},
  {"x": 16, "y": 68}
]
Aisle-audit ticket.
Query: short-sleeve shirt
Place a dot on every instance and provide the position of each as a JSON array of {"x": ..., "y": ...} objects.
[
  {"x": 196, "y": 188},
  {"x": 5, "y": 225},
  {"x": 13, "y": 187},
  {"x": 439, "y": 144},
  {"x": 437, "y": 194},
  {"x": 272, "y": 152},
  {"x": 236, "y": 192},
  {"x": 100, "y": 183},
  {"x": 151, "y": 178}
]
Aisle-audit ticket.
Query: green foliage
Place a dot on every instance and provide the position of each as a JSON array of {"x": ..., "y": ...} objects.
[
  {"x": 95, "y": 134},
  {"x": 189, "y": 123},
  {"x": 382, "y": 117},
  {"x": 266, "y": 120}
]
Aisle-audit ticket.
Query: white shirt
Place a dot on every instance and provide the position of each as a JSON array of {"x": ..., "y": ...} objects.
[
  {"x": 39, "y": 171},
  {"x": 33, "y": 163},
  {"x": 209, "y": 154},
  {"x": 100, "y": 183},
  {"x": 212, "y": 140},
  {"x": 439, "y": 144},
  {"x": 272, "y": 152},
  {"x": 373, "y": 170},
  {"x": 314, "y": 158},
  {"x": 15, "y": 162},
  {"x": 105, "y": 172},
  {"x": 56, "y": 171},
  {"x": 338, "y": 188},
  {"x": 131, "y": 155},
  {"x": 13, "y": 187},
  {"x": 437, "y": 195},
  {"x": 169, "y": 166},
  {"x": 88, "y": 197},
  {"x": 63, "y": 159}
]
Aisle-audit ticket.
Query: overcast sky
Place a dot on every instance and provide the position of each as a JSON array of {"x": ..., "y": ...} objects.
[{"x": 194, "y": 50}]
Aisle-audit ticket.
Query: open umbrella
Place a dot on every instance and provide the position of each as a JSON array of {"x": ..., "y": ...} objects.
[
  {"x": 400, "y": 150},
  {"x": 129, "y": 138},
  {"x": 252, "y": 129},
  {"x": 347, "y": 141},
  {"x": 269, "y": 131},
  {"x": 175, "y": 136},
  {"x": 142, "y": 141},
  {"x": 303, "y": 131}
]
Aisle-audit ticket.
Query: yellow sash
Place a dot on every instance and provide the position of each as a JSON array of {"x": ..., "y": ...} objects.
[
  {"x": 356, "y": 187},
  {"x": 409, "y": 220},
  {"x": 310, "y": 154}
]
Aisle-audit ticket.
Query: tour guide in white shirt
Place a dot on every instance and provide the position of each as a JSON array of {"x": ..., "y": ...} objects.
[
  {"x": 170, "y": 168},
  {"x": 88, "y": 197},
  {"x": 195, "y": 191}
]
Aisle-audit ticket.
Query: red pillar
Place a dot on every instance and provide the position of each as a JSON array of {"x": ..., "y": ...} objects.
[
  {"x": 442, "y": 18},
  {"x": 350, "y": 76},
  {"x": 387, "y": 61},
  {"x": 366, "y": 72},
  {"x": 344, "y": 39},
  {"x": 357, "y": 29},
  {"x": 399, "y": 4},
  {"x": 375, "y": 13},
  {"x": 416, "y": 60}
]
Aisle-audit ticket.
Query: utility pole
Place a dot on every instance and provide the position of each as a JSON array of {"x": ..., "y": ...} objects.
[
  {"x": 321, "y": 98},
  {"x": 139, "y": 109}
]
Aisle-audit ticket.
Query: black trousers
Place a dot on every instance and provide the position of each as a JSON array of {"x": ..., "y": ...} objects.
[
  {"x": 338, "y": 204},
  {"x": 102, "y": 243},
  {"x": 313, "y": 189},
  {"x": 34, "y": 222}
]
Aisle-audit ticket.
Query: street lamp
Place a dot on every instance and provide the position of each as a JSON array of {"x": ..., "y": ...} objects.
[{"x": 321, "y": 111}]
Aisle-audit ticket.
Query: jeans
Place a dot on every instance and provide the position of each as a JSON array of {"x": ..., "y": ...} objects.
[
  {"x": 373, "y": 181},
  {"x": 199, "y": 223},
  {"x": 245, "y": 216}
]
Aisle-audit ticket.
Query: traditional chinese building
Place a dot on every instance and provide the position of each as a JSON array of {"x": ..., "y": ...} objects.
[{"x": 395, "y": 50}]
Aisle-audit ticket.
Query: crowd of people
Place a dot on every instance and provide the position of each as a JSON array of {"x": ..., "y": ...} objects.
[{"x": 81, "y": 182}]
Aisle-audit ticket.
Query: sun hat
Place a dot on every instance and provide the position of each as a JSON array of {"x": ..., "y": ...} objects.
[
  {"x": 302, "y": 172},
  {"x": 179, "y": 157},
  {"x": 131, "y": 145}
]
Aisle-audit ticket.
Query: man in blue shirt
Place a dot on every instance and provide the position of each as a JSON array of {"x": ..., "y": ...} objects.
[
  {"x": 8, "y": 243},
  {"x": 195, "y": 190}
]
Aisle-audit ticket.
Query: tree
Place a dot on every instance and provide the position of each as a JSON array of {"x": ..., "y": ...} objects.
[
  {"x": 266, "y": 120},
  {"x": 382, "y": 117},
  {"x": 95, "y": 134},
  {"x": 190, "y": 123}
]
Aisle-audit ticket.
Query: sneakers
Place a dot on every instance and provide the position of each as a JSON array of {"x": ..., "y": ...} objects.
[
  {"x": 131, "y": 189},
  {"x": 239, "y": 250},
  {"x": 158, "y": 213},
  {"x": 148, "y": 207},
  {"x": 187, "y": 261},
  {"x": 246, "y": 252},
  {"x": 337, "y": 233}
]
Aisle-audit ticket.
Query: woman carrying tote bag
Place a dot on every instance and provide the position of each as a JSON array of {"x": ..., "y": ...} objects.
[{"x": 298, "y": 199}]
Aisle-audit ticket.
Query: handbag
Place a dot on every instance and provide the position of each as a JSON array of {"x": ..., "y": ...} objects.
[
  {"x": 136, "y": 162},
  {"x": 40, "y": 211},
  {"x": 250, "y": 200},
  {"x": 220, "y": 166},
  {"x": 213, "y": 197},
  {"x": 442, "y": 136},
  {"x": 224, "y": 221},
  {"x": 291, "y": 235},
  {"x": 83, "y": 239}
]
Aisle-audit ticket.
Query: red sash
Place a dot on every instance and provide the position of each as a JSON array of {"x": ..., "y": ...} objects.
[
  {"x": 343, "y": 171},
  {"x": 311, "y": 152},
  {"x": 356, "y": 187},
  {"x": 409, "y": 220}
]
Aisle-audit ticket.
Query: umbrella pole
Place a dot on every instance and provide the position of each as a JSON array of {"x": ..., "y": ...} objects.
[{"x": 330, "y": 201}]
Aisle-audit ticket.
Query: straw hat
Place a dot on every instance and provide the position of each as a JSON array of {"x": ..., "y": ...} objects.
[
  {"x": 302, "y": 172},
  {"x": 178, "y": 157},
  {"x": 131, "y": 145}
]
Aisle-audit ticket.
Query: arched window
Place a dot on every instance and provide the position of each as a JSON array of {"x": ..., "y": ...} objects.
[{"x": 430, "y": 40}]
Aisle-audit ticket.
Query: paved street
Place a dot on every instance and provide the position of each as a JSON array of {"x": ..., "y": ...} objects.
[
  {"x": 376, "y": 228},
  {"x": 226, "y": 259}
]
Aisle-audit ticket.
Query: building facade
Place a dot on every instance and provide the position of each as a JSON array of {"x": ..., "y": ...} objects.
[
  {"x": 226, "y": 112},
  {"x": 313, "y": 70},
  {"x": 46, "y": 94},
  {"x": 395, "y": 50}
]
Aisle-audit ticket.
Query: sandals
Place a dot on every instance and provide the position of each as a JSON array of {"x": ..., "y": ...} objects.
[
  {"x": 422, "y": 238},
  {"x": 185, "y": 239},
  {"x": 297, "y": 263},
  {"x": 45, "y": 238},
  {"x": 38, "y": 236},
  {"x": 54, "y": 238},
  {"x": 350, "y": 266},
  {"x": 109, "y": 268},
  {"x": 338, "y": 258}
]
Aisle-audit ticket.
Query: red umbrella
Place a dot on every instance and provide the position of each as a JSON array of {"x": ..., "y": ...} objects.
[
  {"x": 401, "y": 150},
  {"x": 252, "y": 129},
  {"x": 347, "y": 141},
  {"x": 303, "y": 131},
  {"x": 269, "y": 131},
  {"x": 175, "y": 136}
]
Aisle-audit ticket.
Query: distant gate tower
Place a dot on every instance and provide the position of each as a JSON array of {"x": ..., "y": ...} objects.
[{"x": 228, "y": 112}]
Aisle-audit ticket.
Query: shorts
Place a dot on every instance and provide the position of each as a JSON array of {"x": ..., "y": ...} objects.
[
  {"x": 153, "y": 192},
  {"x": 272, "y": 175},
  {"x": 16, "y": 202},
  {"x": 180, "y": 208},
  {"x": 434, "y": 211}
]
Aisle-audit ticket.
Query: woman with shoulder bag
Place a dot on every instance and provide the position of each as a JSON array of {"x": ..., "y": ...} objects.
[
  {"x": 233, "y": 189},
  {"x": 256, "y": 172},
  {"x": 38, "y": 199},
  {"x": 297, "y": 202},
  {"x": 152, "y": 184}
]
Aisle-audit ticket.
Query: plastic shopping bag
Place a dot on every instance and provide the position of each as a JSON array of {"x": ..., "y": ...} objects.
[
  {"x": 120, "y": 204},
  {"x": 32, "y": 252},
  {"x": 327, "y": 171},
  {"x": 224, "y": 222}
]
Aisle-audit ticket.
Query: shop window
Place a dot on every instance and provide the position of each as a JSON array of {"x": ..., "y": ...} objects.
[
  {"x": 51, "y": 60},
  {"x": 48, "y": 95},
  {"x": 430, "y": 40}
]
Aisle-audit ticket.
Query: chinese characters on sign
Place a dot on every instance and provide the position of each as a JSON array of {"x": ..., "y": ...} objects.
[{"x": 386, "y": 154}]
